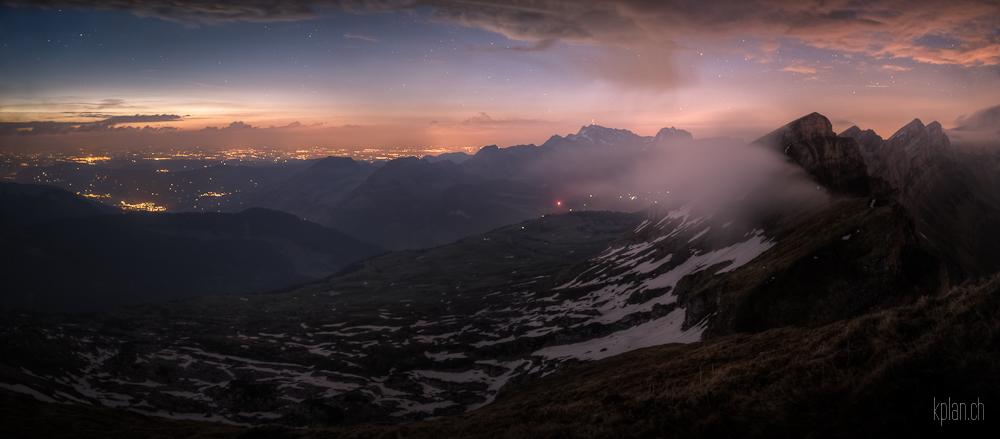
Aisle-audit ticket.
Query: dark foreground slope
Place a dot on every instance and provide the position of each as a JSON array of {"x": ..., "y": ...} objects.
[{"x": 874, "y": 375}]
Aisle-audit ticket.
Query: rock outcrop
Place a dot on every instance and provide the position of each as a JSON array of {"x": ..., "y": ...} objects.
[
  {"x": 956, "y": 211},
  {"x": 835, "y": 162},
  {"x": 868, "y": 140}
]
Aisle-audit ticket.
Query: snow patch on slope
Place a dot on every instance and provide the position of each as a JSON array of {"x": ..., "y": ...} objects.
[{"x": 666, "y": 329}]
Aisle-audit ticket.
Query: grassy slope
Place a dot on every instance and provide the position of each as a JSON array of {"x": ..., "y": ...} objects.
[
  {"x": 875, "y": 374},
  {"x": 847, "y": 259}
]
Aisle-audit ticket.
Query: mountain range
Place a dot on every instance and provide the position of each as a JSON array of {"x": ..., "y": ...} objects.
[
  {"x": 412, "y": 203},
  {"x": 836, "y": 287}
]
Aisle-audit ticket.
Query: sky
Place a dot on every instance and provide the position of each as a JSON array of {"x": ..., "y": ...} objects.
[{"x": 459, "y": 74}]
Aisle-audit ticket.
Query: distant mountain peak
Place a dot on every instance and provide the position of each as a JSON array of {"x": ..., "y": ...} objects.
[
  {"x": 672, "y": 134},
  {"x": 456, "y": 157},
  {"x": 597, "y": 131},
  {"x": 595, "y": 135},
  {"x": 331, "y": 160},
  {"x": 488, "y": 150},
  {"x": 333, "y": 164},
  {"x": 594, "y": 128}
]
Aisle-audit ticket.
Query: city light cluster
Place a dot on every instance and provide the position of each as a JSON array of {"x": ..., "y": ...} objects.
[{"x": 143, "y": 207}]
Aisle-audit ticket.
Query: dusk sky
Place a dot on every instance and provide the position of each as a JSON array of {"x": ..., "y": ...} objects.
[{"x": 460, "y": 74}]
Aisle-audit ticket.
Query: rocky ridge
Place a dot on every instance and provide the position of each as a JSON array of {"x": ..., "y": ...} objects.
[
  {"x": 950, "y": 194},
  {"x": 835, "y": 162}
]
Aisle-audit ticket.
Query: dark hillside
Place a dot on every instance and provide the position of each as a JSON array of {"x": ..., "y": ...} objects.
[
  {"x": 874, "y": 375},
  {"x": 100, "y": 262}
]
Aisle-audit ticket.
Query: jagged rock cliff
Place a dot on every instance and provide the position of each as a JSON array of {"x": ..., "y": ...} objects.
[
  {"x": 868, "y": 140},
  {"x": 956, "y": 212},
  {"x": 835, "y": 162}
]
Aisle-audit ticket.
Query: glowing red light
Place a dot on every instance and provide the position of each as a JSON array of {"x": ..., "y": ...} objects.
[{"x": 558, "y": 203}]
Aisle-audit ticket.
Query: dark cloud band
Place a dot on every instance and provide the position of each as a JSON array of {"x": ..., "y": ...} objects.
[
  {"x": 881, "y": 28},
  {"x": 110, "y": 124}
]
